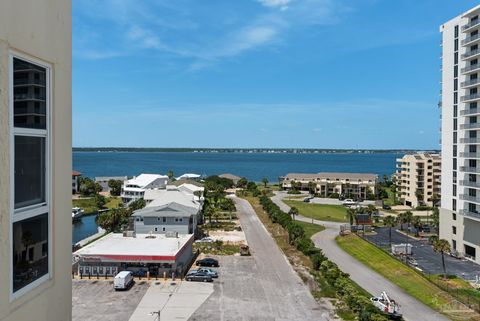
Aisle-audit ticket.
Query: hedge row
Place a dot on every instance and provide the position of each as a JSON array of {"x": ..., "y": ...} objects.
[{"x": 329, "y": 271}]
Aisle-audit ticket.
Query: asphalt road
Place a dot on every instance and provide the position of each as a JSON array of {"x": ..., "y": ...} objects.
[
  {"x": 429, "y": 261},
  {"x": 368, "y": 279},
  {"x": 261, "y": 287}
]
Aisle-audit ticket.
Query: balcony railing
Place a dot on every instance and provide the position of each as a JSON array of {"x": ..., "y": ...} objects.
[
  {"x": 466, "y": 197},
  {"x": 470, "y": 184},
  {"x": 28, "y": 97},
  {"x": 471, "y": 53},
  {"x": 470, "y": 97},
  {"x": 470, "y": 39},
  {"x": 475, "y": 140},
  {"x": 470, "y": 82},
  {"x": 470, "y": 111},
  {"x": 470, "y": 68},
  {"x": 470, "y": 126},
  {"x": 471, "y": 24},
  {"x": 468, "y": 213},
  {"x": 467, "y": 169},
  {"x": 470, "y": 155}
]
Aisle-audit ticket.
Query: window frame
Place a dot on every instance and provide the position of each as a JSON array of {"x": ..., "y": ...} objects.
[{"x": 23, "y": 213}]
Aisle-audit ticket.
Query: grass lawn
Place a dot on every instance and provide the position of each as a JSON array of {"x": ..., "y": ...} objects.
[
  {"x": 89, "y": 206},
  {"x": 409, "y": 280},
  {"x": 389, "y": 201},
  {"x": 310, "y": 229},
  {"x": 331, "y": 213}
]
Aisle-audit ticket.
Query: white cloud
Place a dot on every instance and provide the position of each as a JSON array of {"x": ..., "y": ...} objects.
[{"x": 281, "y": 4}]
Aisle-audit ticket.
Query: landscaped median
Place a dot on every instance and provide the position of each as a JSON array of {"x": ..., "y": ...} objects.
[
  {"x": 411, "y": 281},
  {"x": 321, "y": 212}
]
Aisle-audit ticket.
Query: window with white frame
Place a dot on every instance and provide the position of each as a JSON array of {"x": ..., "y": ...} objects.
[{"x": 30, "y": 208}]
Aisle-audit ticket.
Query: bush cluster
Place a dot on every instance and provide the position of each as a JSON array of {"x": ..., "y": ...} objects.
[{"x": 337, "y": 279}]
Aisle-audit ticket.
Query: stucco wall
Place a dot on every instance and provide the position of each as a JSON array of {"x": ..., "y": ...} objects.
[{"x": 40, "y": 29}]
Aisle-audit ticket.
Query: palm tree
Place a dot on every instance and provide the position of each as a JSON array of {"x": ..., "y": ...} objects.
[
  {"x": 419, "y": 195},
  {"x": 442, "y": 246},
  {"x": 417, "y": 223},
  {"x": 312, "y": 188},
  {"x": 401, "y": 220},
  {"x": 293, "y": 211},
  {"x": 390, "y": 222},
  {"x": 265, "y": 182},
  {"x": 408, "y": 219},
  {"x": 351, "y": 214},
  {"x": 170, "y": 174}
]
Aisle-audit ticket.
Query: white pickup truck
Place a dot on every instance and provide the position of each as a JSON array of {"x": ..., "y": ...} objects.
[{"x": 123, "y": 280}]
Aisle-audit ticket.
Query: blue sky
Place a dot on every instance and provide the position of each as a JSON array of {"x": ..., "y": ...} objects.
[{"x": 258, "y": 73}]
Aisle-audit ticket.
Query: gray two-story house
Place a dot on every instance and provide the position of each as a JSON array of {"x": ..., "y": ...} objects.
[{"x": 171, "y": 217}]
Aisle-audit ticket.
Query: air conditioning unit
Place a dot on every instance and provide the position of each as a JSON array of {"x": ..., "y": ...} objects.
[{"x": 171, "y": 234}]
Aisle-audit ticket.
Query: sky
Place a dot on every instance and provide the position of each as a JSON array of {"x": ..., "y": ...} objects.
[{"x": 347, "y": 74}]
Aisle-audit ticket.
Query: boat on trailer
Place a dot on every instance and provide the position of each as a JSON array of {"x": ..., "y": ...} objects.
[{"x": 387, "y": 305}]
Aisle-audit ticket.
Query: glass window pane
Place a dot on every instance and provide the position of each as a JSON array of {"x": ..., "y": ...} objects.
[
  {"x": 29, "y": 95},
  {"x": 29, "y": 171},
  {"x": 30, "y": 254}
]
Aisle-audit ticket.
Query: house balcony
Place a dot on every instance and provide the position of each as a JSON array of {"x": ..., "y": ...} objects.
[
  {"x": 471, "y": 54},
  {"x": 474, "y": 199},
  {"x": 470, "y": 214},
  {"x": 471, "y": 25},
  {"x": 470, "y": 155},
  {"x": 471, "y": 97},
  {"x": 471, "y": 39},
  {"x": 472, "y": 141},
  {"x": 470, "y": 83},
  {"x": 470, "y": 184},
  {"x": 470, "y": 68},
  {"x": 470, "y": 112},
  {"x": 470, "y": 126},
  {"x": 467, "y": 169}
]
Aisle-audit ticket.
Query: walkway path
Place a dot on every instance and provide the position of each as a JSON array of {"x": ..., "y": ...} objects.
[{"x": 368, "y": 279}]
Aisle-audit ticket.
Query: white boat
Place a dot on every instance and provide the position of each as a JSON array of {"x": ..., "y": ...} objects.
[
  {"x": 387, "y": 305},
  {"x": 77, "y": 212}
]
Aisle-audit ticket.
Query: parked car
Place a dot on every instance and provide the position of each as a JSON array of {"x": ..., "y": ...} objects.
[
  {"x": 426, "y": 228},
  {"x": 349, "y": 202},
  {"x": 199, "y": 277},
  {"x": 204, "y": 270},
  {"x": 386, "y": 207},
  {"x": 205, "y": 240},
  {"x": 207, "y": 262},
  {"x": 306, "y": 199},
  {"x": 123, "y": 280}
]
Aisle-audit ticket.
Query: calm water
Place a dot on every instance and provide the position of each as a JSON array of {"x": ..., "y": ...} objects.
[
  {"x": 253, "y": 166},
  {"x": 84, "y": 228}
]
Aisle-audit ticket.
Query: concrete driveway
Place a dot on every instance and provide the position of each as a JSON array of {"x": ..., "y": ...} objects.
[
  {"x": 368, "y": 279},
  {"x": 261, "y": 287}
]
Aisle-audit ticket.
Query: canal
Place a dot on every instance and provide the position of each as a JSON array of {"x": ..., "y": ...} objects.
[{"x": 84, "y": 228}]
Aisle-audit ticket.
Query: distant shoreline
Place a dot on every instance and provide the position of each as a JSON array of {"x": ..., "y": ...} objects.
[{"x": 250, "y": 150}]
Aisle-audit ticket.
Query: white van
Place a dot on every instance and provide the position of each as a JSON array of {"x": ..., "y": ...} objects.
[{"x": 123, "y": 280}]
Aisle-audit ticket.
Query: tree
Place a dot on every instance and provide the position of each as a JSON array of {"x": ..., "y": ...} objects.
[
  {"x": 100, "y": 201},
  {"x": 293, "y": 211},
  {"x": 295, "y": 232},
  {"x": 115, "y": 186},
  {"x": 136, "y": 205},
  {"x": 435, "y": 217},
  {"x": 113, "y": 220},
  {"x": 88, "y": 187},
  {"x": 408, "y": 219},
  {"x": 209, "y": 212},
  {"x": 170, "y": 174},
  {"x": 312, "y": 188},
  {"x": 242, "y": 182},
  {"x": 351, "y": 215},
  {"x": 419, "y": 195},
  {"x": 417, "y": 224},
  {"x": 265, "y": 182},
  {"x": 442, "y": 246},
  {"x": 390, "y": 222}
]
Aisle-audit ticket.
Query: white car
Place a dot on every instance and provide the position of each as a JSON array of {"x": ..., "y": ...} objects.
[
  {"x": 205, "y": 240},
  {"x": 349, "y": 202}
]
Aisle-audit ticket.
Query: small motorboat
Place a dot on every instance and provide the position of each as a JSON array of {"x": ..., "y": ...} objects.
[
  {"x": 77, "y": 212},
  {"x": 387, "y": 305}
]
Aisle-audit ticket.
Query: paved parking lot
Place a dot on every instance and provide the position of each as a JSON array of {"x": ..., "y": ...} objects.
[
  {"x": 429, "y": 261},
  {"x": 94, "y": 300}
]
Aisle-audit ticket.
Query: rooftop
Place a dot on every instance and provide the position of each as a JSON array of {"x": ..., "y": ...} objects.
[
  {"x": 332, "y": 176},
  {"x": 188, "y": 175},
  {"x": 75, "y": 173},
  {"x": 143, "y": 247},
  {"x": 143, "y": 180},
  {"x": 159, "y": 197},
  {"x": 168, "y": 210},
  {"x": 230, "y": 176}
]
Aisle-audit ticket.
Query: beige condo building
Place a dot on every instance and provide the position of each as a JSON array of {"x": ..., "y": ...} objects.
[
  {"x": 35, "y": 160},
  {"x": 418, "y": 179}
]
